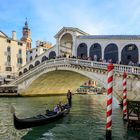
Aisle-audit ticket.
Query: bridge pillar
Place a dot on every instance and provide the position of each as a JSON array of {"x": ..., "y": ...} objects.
[
  {"x": 74, "y": 44},
  {"x": 57, "y": 47},
  {"x": 103, "y": 48}
]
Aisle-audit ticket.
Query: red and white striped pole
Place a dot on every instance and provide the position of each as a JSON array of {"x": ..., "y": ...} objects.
[
  {"x": 124, "y": 95},
  {"x": 109, "y": 100}
]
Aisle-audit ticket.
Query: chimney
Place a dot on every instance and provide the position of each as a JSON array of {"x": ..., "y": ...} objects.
[{"x": 14, "y": 35}]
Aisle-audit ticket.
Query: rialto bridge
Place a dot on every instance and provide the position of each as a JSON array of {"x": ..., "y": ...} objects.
[{"x": 87, "y": 50}]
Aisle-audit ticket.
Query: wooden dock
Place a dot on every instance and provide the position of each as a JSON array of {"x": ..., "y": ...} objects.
[{"x": 133, "y": 114}]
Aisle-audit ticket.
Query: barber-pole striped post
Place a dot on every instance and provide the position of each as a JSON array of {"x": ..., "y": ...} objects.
[
  {"x": 109, "y": 100},
  {"x": 124, "y": 95}
]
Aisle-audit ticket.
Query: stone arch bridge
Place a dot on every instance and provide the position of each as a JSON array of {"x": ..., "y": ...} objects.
[{"x": 91, "y": 69}]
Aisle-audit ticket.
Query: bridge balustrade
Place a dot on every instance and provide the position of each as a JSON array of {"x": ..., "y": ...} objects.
[
  {"x": 86, "y": 63},
  {"x": 73, "y": 61},
  {"x": 99, "y": 65},
  {"x": 60, "y": 60},
  {"x": 95, "y": 64}
]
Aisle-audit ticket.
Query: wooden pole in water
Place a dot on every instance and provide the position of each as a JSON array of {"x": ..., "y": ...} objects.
[
  {"x": 124, "y": 95},
  {"x": 109, "y": 101}
]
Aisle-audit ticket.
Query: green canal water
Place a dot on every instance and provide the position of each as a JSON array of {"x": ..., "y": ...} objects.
[{"x": 86, "y": 120}]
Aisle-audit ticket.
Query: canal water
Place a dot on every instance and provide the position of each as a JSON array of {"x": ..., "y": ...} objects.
[{"x": 86, "y": 120}]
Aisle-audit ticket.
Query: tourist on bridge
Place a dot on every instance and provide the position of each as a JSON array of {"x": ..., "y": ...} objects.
[{"x": 69, "y": 97}]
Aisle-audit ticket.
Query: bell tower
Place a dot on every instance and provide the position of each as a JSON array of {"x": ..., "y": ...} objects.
[{"x": 26, "y": 36}]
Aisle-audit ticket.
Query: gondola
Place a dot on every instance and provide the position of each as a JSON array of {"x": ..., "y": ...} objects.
[{"x": 40, "y": 119}]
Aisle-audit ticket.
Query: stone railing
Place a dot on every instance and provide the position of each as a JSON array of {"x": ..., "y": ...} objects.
[{"x": 85, "y": 63}]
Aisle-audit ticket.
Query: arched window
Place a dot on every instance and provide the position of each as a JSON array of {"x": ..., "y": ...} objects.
[
  {"x": 8, "y": 49},
  {"x": 31, "y": 58},
  {"x": 36, "y": 56},
  {"x": 52, "y": 55},
  {"x": 37, "y": 63},
  {"x": 111, "y": 53},
  {"x": 82, "y": 51},
  {"x": 129, "y": 54},
  {"x": 31, "y": 66},
  {"x": 95, "y": 52},
  {"x": 44, "y": 58},
  {"x": 20, "y": 73},
  {"x": 8, "y": 58},
  {"x": 25, "y": 70},
  {"x": 66, "y": 43},
  {"x": 20, "y": 51}
]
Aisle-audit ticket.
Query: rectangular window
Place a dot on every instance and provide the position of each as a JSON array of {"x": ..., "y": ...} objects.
[
  {"x": 19, "y": 60},
  {"x": 19, "y": 43},
  {"x": 8, "y": 68},
  {"x": 8, "y": 40}
]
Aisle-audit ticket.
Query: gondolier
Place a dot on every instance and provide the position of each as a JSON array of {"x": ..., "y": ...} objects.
[{"x": 69, "y": 97}]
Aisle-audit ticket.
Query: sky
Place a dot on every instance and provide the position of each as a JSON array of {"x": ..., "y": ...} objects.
[{"x": 46, "y": 17}]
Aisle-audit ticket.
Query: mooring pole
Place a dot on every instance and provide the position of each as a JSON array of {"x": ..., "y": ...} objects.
[
  {"x": 109, "y": 101},
  {"x": 124, "y": 95}
]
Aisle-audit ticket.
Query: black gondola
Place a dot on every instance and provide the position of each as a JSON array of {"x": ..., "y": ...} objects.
[{"x": 40, "y": 119}]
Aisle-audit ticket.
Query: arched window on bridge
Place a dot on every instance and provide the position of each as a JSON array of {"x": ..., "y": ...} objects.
[
  {"x": 52, "y": 55},
  {"x": 129, "y": 54},
  {"x": 95, "y": 52},
  {"x": 111, "y": 53},
  {"x": 20, "y": 73},
  {"x": 25, "y": 70},
  {"x": 82, "y": 51},
  {"x": 37, "y": 63},
  {"x": 31, "y": 66},
  {"x": 44, "y": 58},
  {"x": 66, "y": 43}
]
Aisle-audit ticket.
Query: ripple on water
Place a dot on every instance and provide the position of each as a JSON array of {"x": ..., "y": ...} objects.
[{"x": 86, "y": 120}]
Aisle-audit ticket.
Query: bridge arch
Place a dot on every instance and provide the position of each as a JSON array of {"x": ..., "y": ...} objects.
[
  {"x": 129, "y": 54},
  {"x": 111, "y": 52},
  {"x": 44, "y": 58},
  {"x": 52, "y": 55},
  {"x": 37, "y": 62},
  {"x": 31, "y": 66},
  {"x": 82, "y": 50},
  {"x": 25, "y": 70},
  {"x": 66, "y": 43},
  {"x": 95, "y": 51}
]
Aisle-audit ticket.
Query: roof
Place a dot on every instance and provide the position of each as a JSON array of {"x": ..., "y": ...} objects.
[
  {"x": 110, "y": 37},
  {"x": 72, "y": 29},
  {"x": 3, "y": 34}
]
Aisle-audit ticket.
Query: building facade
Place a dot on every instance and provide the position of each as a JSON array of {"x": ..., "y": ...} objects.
[{"x": 13, "y": 56}]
